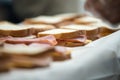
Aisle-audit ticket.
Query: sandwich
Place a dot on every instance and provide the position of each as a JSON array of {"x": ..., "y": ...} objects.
[
  {"x": 86, "y": 20},
  {"x": 94, "y": 30},
  {"x": 28, "y": 56},
  {"x": 31, "y": 53},
  {"x": 67, "y": 37},
  {"x": 8, "y": 29},
  {"x": 91, "y": 31}
]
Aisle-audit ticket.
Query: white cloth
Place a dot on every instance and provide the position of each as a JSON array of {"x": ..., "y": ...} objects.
[{"x": 96, "y": 61}]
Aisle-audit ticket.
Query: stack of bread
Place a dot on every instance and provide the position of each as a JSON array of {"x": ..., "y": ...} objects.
[{"x": 37, "y": 42}]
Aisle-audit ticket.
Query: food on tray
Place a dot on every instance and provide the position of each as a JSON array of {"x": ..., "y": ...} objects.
[
  {"x": 30, "y": 53},
  {"x": 67, "y": 37},
  {"x": 33, "y": 55},
  {"x": 29, "y": 56},
  {"x": 39, "y": 41},
  {"x": 93, "y": 31}
]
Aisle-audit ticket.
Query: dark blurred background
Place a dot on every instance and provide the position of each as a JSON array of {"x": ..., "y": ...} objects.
[{"x": 17, "y": 10}]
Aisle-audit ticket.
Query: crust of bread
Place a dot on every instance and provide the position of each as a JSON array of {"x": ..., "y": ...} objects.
[{"x": 63, "y": 35}]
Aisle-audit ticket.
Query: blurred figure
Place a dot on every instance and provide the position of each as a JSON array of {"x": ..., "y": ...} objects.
[
  {"x": 107, "y": 9},
  {"x": 18, "y": 10}
]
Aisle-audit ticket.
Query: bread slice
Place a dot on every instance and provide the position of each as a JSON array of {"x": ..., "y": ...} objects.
[
  {"x": 43, "y": 20},
  {"x": 14, "y": 30},
  {"x": 51, "y": 19},
  {"x": 91, "y": 31},
  {"x": 68, "y": 16},
  {"x": 39, "y": 27},
  {"x": 62, "y": 33},
  {"x": 87, "y": 20}
]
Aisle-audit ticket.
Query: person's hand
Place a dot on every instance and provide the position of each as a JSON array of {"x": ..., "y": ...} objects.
[{"x": 107, "y": 9}]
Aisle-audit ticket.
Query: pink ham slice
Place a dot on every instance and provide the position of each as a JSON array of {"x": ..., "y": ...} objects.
[
  {"x": 3, "y": 39},
  {"x": 45, "y": 40}
]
